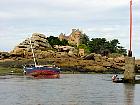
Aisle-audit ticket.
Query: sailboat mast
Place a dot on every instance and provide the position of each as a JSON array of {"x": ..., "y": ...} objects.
[{"x": 33, "y": 53}]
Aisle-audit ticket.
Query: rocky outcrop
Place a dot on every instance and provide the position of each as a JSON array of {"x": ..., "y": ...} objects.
[
  {"x": 4, "y": 55},
  {"x": 105, "y": 63},
  {"x": 38, "y": 41}
]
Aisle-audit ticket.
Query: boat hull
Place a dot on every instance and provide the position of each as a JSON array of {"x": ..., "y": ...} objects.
[
  {"x": 47, "y": 76},
  {"x": 42, "y": 72},
  {"x": 119, "y": 81}
]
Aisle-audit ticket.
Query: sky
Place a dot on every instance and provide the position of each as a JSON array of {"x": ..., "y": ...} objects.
[{"x": 97, "y": 18}]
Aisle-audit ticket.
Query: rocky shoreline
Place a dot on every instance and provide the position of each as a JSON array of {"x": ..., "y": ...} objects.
[
  {"x": 96, "y": 64},
  {"x": 92, "y": 63}
]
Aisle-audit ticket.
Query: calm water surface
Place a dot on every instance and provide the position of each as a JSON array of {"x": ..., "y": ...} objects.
[{"x": 70, "y": 89}]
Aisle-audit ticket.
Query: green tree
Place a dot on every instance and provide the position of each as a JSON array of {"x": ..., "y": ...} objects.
[
  {"x": 53, "y": 40},
  {"x": 102, "y": 46},
  {"x": 84, "y": 39},
  {"x": 56, "y": 41},
  {"x": 83, "y": 46},
  {"x": 64, "y": 42},
  {"x": 121, "y": 50},
  {"x": 98, "y": 45},
  {"x": 115, "y": 48},
  {"x": 113, "y": 45}
]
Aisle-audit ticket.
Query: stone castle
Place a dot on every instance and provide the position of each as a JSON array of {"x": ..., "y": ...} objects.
[{"x": 73, "y": 38}]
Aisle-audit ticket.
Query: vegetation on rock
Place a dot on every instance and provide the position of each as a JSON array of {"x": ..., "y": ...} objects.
[
  {"x": 104, "y": 47},
  {"x": 56, "y": 41}
]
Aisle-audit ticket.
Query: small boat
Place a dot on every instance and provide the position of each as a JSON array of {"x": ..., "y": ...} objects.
[
  {"x": 119, "y": 81},
  {"x": 41, "y": 71}
]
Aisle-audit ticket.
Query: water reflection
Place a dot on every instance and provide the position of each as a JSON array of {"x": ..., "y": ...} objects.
[{"x": 129, "y": 90}]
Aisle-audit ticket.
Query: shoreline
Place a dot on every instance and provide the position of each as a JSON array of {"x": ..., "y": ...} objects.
[
  {"x": 18, "y": 71},
  {"x": 69, "y": 65}
]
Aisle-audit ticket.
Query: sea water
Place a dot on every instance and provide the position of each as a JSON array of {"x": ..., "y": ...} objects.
[{"x": 70, "y": 89}]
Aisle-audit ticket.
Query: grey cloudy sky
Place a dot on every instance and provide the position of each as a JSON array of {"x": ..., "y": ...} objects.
[{"x": 97, "y": 18}]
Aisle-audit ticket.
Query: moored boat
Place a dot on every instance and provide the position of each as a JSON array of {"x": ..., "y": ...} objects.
[
  {"x": 119, "y": 81},
  {"x": 41, "y": 71}
]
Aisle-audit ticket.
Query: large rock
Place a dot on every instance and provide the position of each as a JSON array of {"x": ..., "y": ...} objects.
[
  {"x": 120, "y": 59},
  {"x": 4, "y": 55},
  {"x": 89, "y": 57},
  {"x": 93, "y": 56},
  {"x": 38, "y": 41},
  {"x": 98, "y": 58}
]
